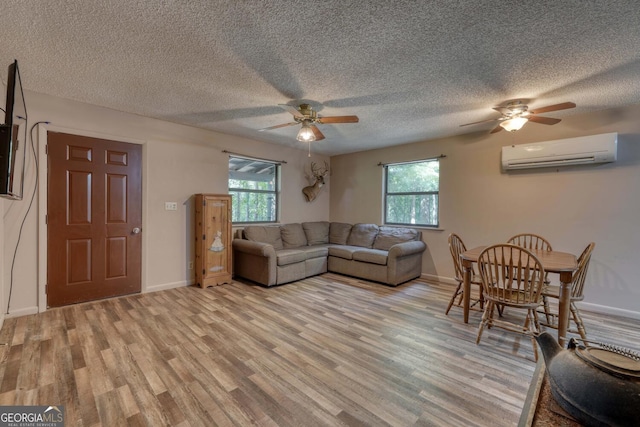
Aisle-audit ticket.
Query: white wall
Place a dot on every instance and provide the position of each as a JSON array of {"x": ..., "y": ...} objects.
[
  {"x": 571, "y": 206},
  {"x": 178, "y": 161}
]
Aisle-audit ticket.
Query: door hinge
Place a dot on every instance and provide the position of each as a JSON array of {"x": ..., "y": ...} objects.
[
  {"x": 204, "y": 237},
  {"x": 46, "y": 289},
  {"x": 46, "y": 219},
  {"x": 204, "y": 202},
  {"x": 46, "y": 149},
  {"x": 204, "y": 271}
]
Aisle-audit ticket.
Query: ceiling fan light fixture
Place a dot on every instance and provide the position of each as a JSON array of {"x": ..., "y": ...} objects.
[
  {"x": 514, "y": 124},
  {"x": 306, "y": 133}
]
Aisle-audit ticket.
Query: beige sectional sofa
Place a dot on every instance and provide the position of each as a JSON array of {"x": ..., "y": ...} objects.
[{"x": 273, "y": 255}]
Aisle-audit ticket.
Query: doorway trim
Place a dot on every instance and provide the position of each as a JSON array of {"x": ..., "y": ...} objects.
[{"x": 43, "y": 190}]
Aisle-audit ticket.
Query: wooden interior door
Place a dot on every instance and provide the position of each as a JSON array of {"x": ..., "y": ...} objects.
[{"x": 94, "y": 218}]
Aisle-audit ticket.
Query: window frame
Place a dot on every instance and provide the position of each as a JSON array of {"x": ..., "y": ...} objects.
[
  {"x": 276, "y": 192},
  {"x": 386, "y": 193}
]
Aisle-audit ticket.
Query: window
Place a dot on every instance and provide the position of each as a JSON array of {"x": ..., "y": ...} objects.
[
  {"x": 411, "y": 193},
  {"x": 254, "y": 187}
]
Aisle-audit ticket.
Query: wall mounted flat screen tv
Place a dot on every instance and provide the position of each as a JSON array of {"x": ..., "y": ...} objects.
[{"x": 13, "y": 138}]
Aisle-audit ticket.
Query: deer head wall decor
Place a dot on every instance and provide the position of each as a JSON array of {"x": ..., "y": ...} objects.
[{"x": 310, "y": 192}]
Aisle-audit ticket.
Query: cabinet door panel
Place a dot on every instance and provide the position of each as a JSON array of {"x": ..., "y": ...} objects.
[{"x": 213, "y": 239}]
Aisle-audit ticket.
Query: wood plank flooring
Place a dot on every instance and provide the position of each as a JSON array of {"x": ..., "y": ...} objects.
[{"x": 325, "y": 351}]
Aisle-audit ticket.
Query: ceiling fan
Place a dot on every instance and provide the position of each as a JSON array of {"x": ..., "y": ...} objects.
[
  {"x": 516, "y": 114},
  {"x": 307, "y": 117}
]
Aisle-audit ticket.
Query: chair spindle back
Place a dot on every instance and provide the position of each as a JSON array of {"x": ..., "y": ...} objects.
[
  {"x": 530, "y": 241},
  {"x": 511, "y": 274},
  {"x": 577, "y": 287},
  {"x": 457, "y": 247}
]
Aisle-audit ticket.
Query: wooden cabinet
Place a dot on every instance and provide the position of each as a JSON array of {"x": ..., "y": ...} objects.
[{"x": 213, "y": 239}]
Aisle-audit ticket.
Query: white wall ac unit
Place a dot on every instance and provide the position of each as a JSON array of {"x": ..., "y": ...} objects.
[{"x": 584, "y": 150}]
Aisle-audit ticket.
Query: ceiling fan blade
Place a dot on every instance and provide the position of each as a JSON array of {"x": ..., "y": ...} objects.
[
  {"x": 278, "y": 126},
  {"x": 555, "y": 107},
  {"x": 496, "y": 129},
  {"x": 484, "y": 121},
  {"x": 317, "y": 132},
  {"x": 338, "y": 119},
  {"x": 544, "y": 120},
  {"x": 292, "y": 110}
]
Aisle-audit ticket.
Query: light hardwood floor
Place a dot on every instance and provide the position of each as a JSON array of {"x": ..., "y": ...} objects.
[{"x": 328, "y": 350}]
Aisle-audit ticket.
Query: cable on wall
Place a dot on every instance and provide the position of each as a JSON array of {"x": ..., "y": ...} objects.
[{"x": 33, "y": 196}]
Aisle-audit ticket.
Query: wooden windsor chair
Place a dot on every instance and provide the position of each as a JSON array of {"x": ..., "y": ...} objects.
[
  {"x": 532, "y": 241},
  {"x": 457, "y": 247},
  {"x": 511, "y": 276}
]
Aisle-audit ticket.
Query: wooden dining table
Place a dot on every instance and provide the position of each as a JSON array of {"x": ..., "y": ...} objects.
[{"x": 562, "y": 263}]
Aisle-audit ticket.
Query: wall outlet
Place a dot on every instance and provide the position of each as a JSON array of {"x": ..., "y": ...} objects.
[
  {"x": 190, "y": 265},
  {"x": 170, "y": 206}
]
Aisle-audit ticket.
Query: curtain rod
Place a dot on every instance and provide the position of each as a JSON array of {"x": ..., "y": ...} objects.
[
  {"x": 253, "y": 157},
  {"x": 441, "y": 156}
]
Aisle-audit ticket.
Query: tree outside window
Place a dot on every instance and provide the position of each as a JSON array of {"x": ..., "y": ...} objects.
[
  {"x": 411, "y": 193},
  {"x": 254, "y": 187}
]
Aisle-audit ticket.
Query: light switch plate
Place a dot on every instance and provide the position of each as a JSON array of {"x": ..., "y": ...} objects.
[{"x": 170, "y": 206}]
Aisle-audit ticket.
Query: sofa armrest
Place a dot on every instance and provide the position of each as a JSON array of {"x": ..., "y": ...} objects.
[
  {"x": 254, "y": 248},
  {"x": 407, "y": 248},
  {"x": 405, "y": 261},
  {"x": 255, "y": 261}
]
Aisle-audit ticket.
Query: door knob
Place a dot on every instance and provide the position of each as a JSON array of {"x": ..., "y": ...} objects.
[{"x": 136, "y": 230}]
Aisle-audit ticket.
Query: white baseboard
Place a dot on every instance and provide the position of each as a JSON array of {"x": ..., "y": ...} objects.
[
  {"x": 439, "y": 279},
  {"x": 611, "y": 311},
  {"x": 165, "y": 286},
  {"x": 593, "y": 308},
  {"x": 23, "y": 312}
]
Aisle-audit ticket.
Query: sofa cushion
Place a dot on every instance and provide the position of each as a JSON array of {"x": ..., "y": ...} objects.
[
  {"x": 317, "y": 232},
  {"x": 293, "y": 236},
  {"x": 389, "y": 236},
  {"x": 339, "y": 233},
  {"x": 373, "y": 256},
  {"x": 290, "y": 256},
  {"x": 264, "y": 234},
  {"x": 363, "y": 235},
  {"x": 315, "y": 251},
  {"x": 344, "y": 251}
]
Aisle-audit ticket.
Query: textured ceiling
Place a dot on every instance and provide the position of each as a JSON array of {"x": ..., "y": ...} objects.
[{"x": 411, "y": 70}]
